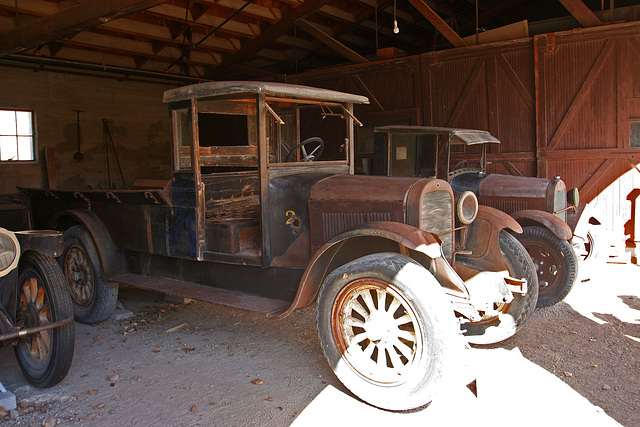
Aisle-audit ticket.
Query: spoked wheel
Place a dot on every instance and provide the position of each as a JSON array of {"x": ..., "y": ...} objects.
[
  {"x": 555, "y": 261},
  {"x": 376, "y": 330},
  {"x": 77, "y": 268},
  {"x": 93, "y": 299},
  {"x": 387, "y": 330},
  {"x": 513, "y": 315},
  {"x": 44, "y": 357}
]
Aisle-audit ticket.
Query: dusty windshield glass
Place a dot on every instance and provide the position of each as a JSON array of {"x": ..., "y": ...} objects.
[{"x": 299, "y": 132}]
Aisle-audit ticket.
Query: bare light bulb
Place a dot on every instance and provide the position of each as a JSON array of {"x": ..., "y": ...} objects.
[{"x": 396, "y": 30}]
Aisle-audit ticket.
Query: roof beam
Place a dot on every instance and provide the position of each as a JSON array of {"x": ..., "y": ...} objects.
[
  {"x": 68, "y": 22},
  {"x": 272, "y": 32},
  {"x": 582, "y": 13},
  {"x": 438, "y": 22},
  {"x": 331, "y": 42}
]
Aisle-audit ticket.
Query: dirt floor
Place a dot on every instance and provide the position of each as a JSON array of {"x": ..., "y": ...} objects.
[{"x": 200, "y": 364}]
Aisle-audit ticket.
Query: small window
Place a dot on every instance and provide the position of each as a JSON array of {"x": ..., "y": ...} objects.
[
  {"x": 16, "y": 136},
  {"x": 634, "y": 134}
]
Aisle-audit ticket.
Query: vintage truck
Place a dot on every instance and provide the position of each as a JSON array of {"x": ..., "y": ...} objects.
[
  {"x": 539, "y": 205},
  {"x": 36, "y": 314},
  {"x": 263, "y": 213}
]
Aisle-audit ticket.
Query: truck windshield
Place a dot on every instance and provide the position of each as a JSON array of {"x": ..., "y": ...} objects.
[{"x": 301, "y": 132}]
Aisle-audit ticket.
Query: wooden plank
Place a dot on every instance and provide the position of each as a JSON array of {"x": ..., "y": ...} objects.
[
  {"x": 334, "y": 44},
  {"x": 50, "y": 160},
  {"x": 475, "y": 75},
  {"x": 68, "y": 22},
  {"x": 581, "y": 12},
  {"x": 587, "y": 188},
  {"x": 515, "y": 80},
  {"x": 439, "y": 23},
  {"x": 581, "y": 96},
  {"x": 248, "y": 50},
  {"x": 368, "y": 92}
]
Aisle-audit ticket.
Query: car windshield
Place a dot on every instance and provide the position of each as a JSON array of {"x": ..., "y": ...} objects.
[{"x": 306, "y": 131}]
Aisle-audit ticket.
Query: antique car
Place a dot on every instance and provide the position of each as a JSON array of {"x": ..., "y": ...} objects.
[
  {"x": 539, "y": 205},
  {"x": 263, "y": 213},
  {"x": 36, "y": 314}
]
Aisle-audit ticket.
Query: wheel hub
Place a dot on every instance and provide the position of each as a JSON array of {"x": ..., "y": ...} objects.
[{"x": 377, "y": 331}]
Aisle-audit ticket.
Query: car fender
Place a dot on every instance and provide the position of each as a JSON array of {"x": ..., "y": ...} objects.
[
  {"x": 482, "y": 247},
  {"x": 111, "y": 258},
  {"x": 545, "y": 219},
  {"x": 376, "y": 237}
]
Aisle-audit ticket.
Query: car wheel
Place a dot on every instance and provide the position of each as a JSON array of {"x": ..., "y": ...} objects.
[
  {"x": 555, "y": 261},
  {"x": 513, "y": 315},
  {"x": 44, "y": 357},
  {"x": 94, "y": 300},
  {"x": 388, "y": 330}
]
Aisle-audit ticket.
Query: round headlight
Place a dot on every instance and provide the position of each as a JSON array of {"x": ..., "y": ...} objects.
[{"x": 466, "y": 207}]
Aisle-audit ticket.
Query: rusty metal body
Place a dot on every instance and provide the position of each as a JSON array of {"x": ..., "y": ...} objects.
[{"x": 238, "y": 225}]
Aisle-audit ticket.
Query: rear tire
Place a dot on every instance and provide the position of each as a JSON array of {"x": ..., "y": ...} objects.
[
  {"x": 388, "y": 330},
  {"x": 515, "y": 314},
  {"x": 43, "y": 298},
  {"x": 94, "y": 300}
]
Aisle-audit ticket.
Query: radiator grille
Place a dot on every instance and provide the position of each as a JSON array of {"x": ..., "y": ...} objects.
[
  {"x": 509, "y": 206},
  {"x": 336, "y": 223},
  {"x": 436, "y": 217},
  {"x": 559, "y": 203}
]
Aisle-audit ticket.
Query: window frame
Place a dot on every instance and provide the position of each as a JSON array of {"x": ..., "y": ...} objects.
[{"x": 34, "y": 137}]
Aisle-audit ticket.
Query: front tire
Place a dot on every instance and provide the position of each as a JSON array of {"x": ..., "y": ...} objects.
[
  {"x": 555, "y": 261},
  {"x": 44, "y": 357},
  {"x": 388, "y": 330},
  {"x": 94, "y": 299},
  {"x": 513, "y": 315}
]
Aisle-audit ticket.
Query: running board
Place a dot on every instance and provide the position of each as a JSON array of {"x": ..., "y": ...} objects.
[{"x": 234, "y": 299}]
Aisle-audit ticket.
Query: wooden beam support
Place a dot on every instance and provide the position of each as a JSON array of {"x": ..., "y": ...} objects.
[
  {"x": 582, "y": 13},
  {"x": 331, "y": 42},
  {"x": 249, "y": 49},
  {"x": 438, "y": 22},
  {"x": 68, "y": 22}
]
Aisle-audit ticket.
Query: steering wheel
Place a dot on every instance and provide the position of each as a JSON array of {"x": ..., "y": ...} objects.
[
  {"x": 314, "y": 155},
  {"x": 460, "y": 164}
]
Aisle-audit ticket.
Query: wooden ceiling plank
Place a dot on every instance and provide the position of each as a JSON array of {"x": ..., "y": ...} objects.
[
  {"x": 232, "y": 27},
  {"x": 334, "y": 44},
  {"x": 581, "y": 12},
  {"x": 337, "y": 13},
  {"x": 270, "y": 14},
  {"x": 162, "y": 34},
  {"x": 69, "y": 21},
  {"x": 289, "y": 16},
  {"x": 438, "y": 22}
]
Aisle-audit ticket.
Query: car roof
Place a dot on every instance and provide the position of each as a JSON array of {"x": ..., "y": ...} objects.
[
  {"x": 214, "y": 89},
  {"x": 456, "y": 135}
]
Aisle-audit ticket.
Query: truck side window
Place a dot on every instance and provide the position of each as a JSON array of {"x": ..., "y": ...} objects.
[{"x": 182, "y": 139}]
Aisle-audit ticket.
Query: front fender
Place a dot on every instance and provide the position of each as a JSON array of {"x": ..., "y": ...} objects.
[
  {"x": 482, "y": 246},
  {"x": 111, "y": 258},
  {"x": 372, "y": 238},
  {"x": 546, "y": 219}
]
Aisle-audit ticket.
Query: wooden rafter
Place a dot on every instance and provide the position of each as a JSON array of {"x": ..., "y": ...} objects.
[
  {"x": 69, "y": 21},
  {"x": 438, "y": 22},
  {"x": 334, "y": 44},
  {"x": 248, "y": 50},
  {"x": 581, "y": 12}
]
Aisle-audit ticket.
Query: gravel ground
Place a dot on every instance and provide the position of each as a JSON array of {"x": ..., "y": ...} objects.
[{"x": 200, "y": 364}]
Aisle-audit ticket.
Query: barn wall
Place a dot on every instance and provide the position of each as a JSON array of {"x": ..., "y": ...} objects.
[
  {"x": 137, "y": 119},
  {"x": 563, "y": 104}
]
